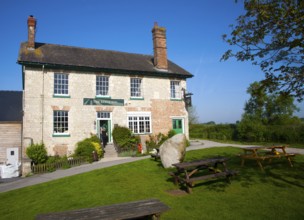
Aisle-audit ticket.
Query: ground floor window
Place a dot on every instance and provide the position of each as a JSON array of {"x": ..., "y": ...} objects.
[
  {"x": 61, "y": 122},
  {"x": 139, "y": 123}
]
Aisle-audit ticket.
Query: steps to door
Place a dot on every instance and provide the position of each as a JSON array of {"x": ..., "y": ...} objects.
[{"x": 110, "y": 152}]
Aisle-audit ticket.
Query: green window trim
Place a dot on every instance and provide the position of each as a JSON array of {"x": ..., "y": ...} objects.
[
  {"x": 177, "y": 100},
  {"x": 61, "y": 135},
  {"x": 62, "y": 96},
  {"x": 137, "y": 98}
]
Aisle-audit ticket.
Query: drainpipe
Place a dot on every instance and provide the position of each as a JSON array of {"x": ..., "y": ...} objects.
[
  {"x": 21, "y": 149},
  {"x": 42, "y": 105}
]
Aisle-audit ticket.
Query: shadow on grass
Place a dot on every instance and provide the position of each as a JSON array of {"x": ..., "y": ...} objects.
[{"x": 277, "y": 173}]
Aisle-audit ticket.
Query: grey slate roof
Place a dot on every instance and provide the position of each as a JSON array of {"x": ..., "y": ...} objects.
[
  {"x": 74, "y": 57},
  {"x": 11, "y": 106}
]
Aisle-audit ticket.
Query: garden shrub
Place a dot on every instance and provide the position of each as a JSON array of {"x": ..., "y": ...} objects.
[
  {"x": 124, "y": 140},
  {"x": 155, "y": 141},
  {"x": 98, "y": 149},
  {"x": 94, "y": 138},
  {"x": 85, "y": 149},
  {"x": 97, "y": 144},
  {"x": 37, "y": 153},
  {"x": 54, "y": 162}
]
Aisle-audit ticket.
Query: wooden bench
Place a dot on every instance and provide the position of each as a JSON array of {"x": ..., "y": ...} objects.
[
  {"x": 189, "y": 172},
  {"x": 254, "y": 153},
  {"x": 190, "y": 181},
  {"x": 132, "y": 210}
]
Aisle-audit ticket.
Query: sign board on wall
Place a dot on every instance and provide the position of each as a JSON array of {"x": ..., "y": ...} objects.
[{"x": 115, "y": 102}]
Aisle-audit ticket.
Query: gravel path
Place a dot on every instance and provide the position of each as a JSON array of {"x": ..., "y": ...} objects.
[{"x": 201, "y": 144}]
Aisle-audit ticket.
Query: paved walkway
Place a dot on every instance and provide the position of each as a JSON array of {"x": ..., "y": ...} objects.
[
  {"x": 200, "y": 144},
  {"x": 107, "y": 161}
]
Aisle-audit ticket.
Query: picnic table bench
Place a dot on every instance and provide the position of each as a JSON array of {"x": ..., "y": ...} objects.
[
  {"x": 260, "y": 154},
  {"x": 131, "y": 210},
  {"x": 190, "y": 172}
]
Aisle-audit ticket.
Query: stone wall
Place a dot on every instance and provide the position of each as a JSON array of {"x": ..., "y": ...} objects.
[
  {"x": 10, "y": 137},
  {"x": 39, "y": 104}
]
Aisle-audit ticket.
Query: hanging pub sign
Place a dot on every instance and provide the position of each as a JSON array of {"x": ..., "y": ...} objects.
[
  {"x": 188, "y": 101},
  {"x": 115, "y": 102}
]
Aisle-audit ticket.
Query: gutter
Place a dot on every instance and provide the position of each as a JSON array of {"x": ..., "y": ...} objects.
[{"x": 106, "y": 70}]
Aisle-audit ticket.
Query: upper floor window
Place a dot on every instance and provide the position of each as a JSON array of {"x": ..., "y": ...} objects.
[
  {"x": 61, "y": 84},
  {"x": 175, "y": 90},
  {"x": 61, "y": 122},
  {"x": 102, "y": 85},
  {"x": 136, "y": 87}
]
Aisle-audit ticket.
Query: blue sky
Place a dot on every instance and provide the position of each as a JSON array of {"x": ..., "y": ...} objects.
[{"x": 194, "y": 30}]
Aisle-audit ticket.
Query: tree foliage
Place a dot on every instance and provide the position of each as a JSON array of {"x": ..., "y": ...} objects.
[
  {"x": 270, "y": 34},
  {"x": 269, "y": 108}
]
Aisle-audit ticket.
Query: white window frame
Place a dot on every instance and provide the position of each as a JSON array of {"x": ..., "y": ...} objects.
[
  {"x": 102, "y": 86},
  {"x": 60, "y": 127},
  {"x": 103, "y": 115},
  {"x": 138, "y": 119},
  {"x": 61, "y": 84},
  {"x": 175, "y": 89},
  {"x": 136, "y": 90}
]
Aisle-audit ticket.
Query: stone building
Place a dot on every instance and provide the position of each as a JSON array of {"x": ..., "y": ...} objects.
[
  {"x": 10, "y": 127},
  {"x": 70, "y": 92}
]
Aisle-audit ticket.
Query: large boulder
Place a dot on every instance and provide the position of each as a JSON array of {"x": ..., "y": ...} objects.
[{"x": 173, "y": 150}]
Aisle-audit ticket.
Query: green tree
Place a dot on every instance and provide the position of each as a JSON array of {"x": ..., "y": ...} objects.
[
  {"x": 269, "y": 108},
  {"x": 270, "y": 34}
]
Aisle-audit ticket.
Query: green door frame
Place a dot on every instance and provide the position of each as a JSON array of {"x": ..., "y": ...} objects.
[
  {"x": 178, "y": 125},
  {"x": 108, "y": 122}
]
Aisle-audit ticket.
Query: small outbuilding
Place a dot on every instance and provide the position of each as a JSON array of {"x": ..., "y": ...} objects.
[{"x": 10, "y": 127}]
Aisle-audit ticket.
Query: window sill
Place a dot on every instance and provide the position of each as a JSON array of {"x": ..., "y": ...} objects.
[
  {"x": 102, "y": 97},
  {"x": 175, "y": 99},
  {"x": 61, "y": 96},
  {"x": 61, "y": 135},
  {"x": 137, "y": 98},
  {"x": 149, "y": 133}
]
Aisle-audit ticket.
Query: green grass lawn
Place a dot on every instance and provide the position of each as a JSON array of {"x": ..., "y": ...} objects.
[{"x": 278, "y": 193}]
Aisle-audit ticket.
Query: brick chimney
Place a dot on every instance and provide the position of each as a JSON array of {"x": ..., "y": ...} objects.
[
  {"x": 31, "y": 24},
  {"x": 160, "y": 47}
]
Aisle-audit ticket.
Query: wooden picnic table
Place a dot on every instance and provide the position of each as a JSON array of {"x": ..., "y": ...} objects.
[
  {"x": 151, "y": 209},
  {"x": 190, "y": 172},
  {"x": 260, "y": 154}
]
